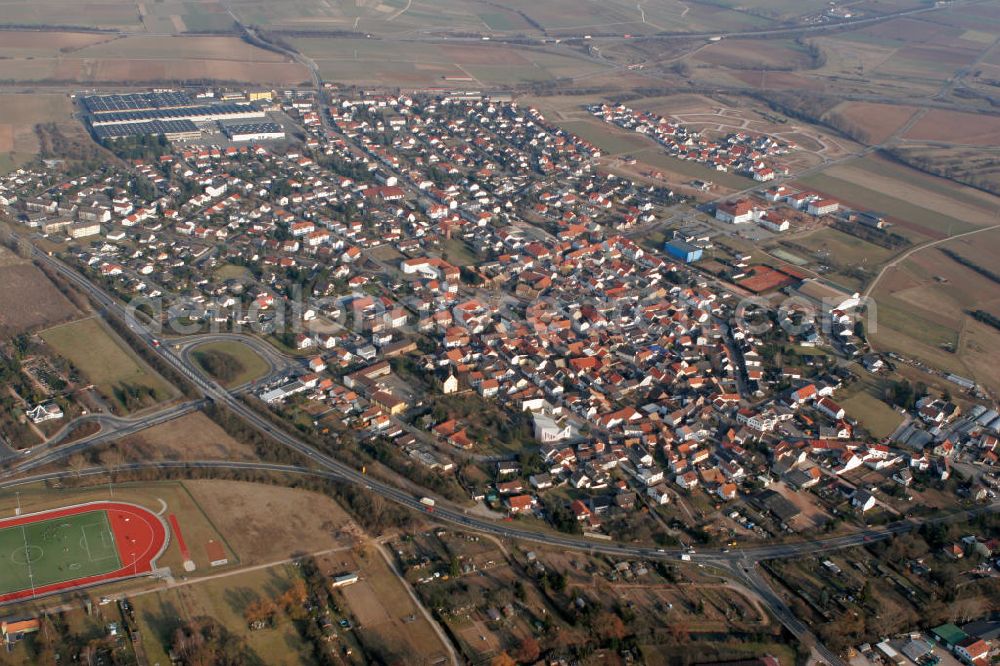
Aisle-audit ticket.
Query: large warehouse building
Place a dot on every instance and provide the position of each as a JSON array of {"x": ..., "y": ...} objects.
[
  {"x": 173, "y": 130},
  {"x": 98, "y": 104},
  {"x": 199, "y": 114},
  {"x": 176, "y": 116},
  {"x": 254, "y": 131}
]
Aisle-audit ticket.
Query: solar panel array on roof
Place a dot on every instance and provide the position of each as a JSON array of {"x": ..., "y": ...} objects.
[
  {"x": 201, "y": 113},
  {"x": 135, "y": 101},
  {"x": 253, "y": 128},
  {"x": 153, "y": 127}
]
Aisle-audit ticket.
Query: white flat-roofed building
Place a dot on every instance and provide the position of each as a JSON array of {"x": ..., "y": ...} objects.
[
  {"x": 84, "y": 229},
  {"x": 254, "y": 132}
]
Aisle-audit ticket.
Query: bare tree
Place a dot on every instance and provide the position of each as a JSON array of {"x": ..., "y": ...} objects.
[{"x": 77, "y": 463}]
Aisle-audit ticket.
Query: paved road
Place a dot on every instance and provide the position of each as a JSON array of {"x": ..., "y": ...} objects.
[
  {"x": 731, "y": 560},
  {"x": 740, "y": 564},
  {"x": 331, "y": 468},
  {"x": 280, "y": 365},
  {"x": 112, "y": 428}
]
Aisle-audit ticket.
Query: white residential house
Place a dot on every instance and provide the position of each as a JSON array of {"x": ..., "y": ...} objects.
[
  {"x": 822, "y": 207},
  {"x": 773, "y": 222},
  {"x": 49, "y": 411},
  {"x": 547, "y": 429},
  {"x": 863, "y": 500},
  {"x": 649, "y": 476},
  {"x": 830, "y": 408},
  {"x": 659, "y": 493},
  {"x": 735, "y": 212}
]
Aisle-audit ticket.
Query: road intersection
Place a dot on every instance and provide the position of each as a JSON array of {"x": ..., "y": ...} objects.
[{"x": 739, "y": 563}]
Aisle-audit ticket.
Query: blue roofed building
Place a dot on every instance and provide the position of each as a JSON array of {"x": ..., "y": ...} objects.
[{"x": 682, "y": 250}]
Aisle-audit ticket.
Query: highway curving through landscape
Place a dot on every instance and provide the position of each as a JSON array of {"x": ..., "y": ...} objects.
[
  {"x": 739, "y": 563},
  {"x": 735, "y": 559},
  {"x": 280, "y": 365}
]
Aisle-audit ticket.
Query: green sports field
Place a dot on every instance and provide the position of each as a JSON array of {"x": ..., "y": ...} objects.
[{"x": 56, "y": 550}]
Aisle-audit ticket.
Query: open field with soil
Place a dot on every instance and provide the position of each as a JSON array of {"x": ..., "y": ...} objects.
[
  {"x": 388, "y": 16},
  {"x": 107, "y": 14},
  {"x": 28, "y": 299},
  {"x": 975, "y": 206},
  {"x": 386, "y": 614},
  {"x": 911, "y": 220},
  {"x": 207, "y": 47},
  {"x": 224, "y": 599},
  {"x": 190, "y": 437},
  {"x": 422, "y": 64},
  {"x": 102, "y": 357},
  {"x": 90, "y": 58},
  {"x": 924, "y": 64},
  {"x": 923, "y": 305},
  {"x": 869, "y": 121},
  {"x": 162, "y": 71},
  {"x": 754, "y": 54},
  {"x": 956, "y": 128},
  {"x": 27, "y": 43},
  {"x": 19, "y": 113},
  {"x": 265, "y": 523}
]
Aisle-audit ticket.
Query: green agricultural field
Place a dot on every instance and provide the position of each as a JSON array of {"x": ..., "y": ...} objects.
[
  {"x": 414, "y": 63},
  {"x": 502, "y": 22},
  {"x": 103, "y": 360},
  {"x": 659, "y": 159},
  {"x": 877, "y": 417},
  {"x": 842, "y": 252},
  {"x": 611, "y": 140},
  {"x": 902, "y": 317},
  {"x": 56, "y": 551},
  {"x": 100, "y": 14},
  {"x": 914, "y": 220},
  {"x": 8, "y": 162}
]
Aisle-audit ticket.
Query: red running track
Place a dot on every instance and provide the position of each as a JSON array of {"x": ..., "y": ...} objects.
[
  {"x": 176, "y": 527},
  {"x": 140, "y": 536}
]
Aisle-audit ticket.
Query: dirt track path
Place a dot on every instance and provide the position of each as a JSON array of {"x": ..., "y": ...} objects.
[
  {"x": 442, "y": 636},
  {"x": 906, "y": 255}
]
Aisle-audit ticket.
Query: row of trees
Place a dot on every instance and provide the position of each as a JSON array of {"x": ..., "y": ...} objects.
[
  {"x": 887, "y": 239},
  {"x": 970, "y": 264},
  {"x": 987, "y": 318},
  {"x": 973, "y": 167}
]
